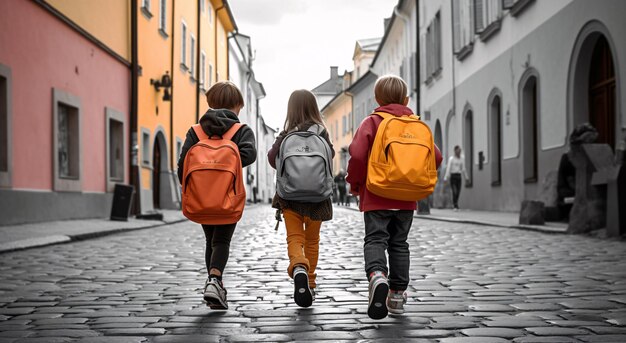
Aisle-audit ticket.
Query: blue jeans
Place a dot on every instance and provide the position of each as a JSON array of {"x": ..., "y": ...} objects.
[{"x": 388, "y": 230}]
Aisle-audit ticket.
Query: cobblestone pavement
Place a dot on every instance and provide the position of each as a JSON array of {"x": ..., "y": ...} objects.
[{"x": 468, "y": 284}]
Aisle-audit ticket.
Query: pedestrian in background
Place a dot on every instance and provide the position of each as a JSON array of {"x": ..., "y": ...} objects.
[
  {"x": 225, "y": 101},
  {"x": 340, "y": 182},
  {"x": 454, "y": 171},
  {"x": 387, "y": 221},
  {"x": 303, "y": 219}
]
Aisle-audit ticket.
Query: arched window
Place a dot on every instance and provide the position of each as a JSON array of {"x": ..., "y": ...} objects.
[
  {"x": 468, "y": 144},
  {"x": 495, "y": 137},
  {"x": 530, "y": 122}
]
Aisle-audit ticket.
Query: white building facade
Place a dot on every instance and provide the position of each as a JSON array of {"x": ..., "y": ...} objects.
[
  {"x": 241, "y": 73},
  {"x": 508, "y": 80}
]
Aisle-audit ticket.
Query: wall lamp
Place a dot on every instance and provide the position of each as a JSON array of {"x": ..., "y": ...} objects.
[{"x": 166, "y": 83}]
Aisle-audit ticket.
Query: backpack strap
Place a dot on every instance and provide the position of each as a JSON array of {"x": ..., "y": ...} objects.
[
  {"x": 389, "y": 115},
  {"x": 232, "y": 131},
  {"x": 199, "y": 132},
  {"x": 227, "y": 135},
  {"x": 315, "y": 128}
]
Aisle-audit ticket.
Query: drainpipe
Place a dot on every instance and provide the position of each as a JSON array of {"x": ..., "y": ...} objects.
[
  {"x": 215, "y": 28},
  {"x": 407, "y": 40},
  {"x": 134, "y": 75},
  {"x": 197, "y": 76},
  {"x": 172, "y": 145},
  {"x": 418, "y": 52},
  {"x": 453, "y": 70}
]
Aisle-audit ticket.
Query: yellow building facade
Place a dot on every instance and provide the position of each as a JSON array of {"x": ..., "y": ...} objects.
[
  {"x": 338, "y": 117},
  {"x": 180, "y": 56}
]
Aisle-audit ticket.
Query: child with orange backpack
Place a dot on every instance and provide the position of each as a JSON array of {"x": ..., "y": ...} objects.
[
  {"x": 302, "y": 156},
  {"x": 210, "y": 171},
  {"x": 393, "y": 163}
]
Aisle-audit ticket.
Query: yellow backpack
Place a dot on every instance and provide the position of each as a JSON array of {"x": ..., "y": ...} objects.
[{"x": 402, "y": 162}]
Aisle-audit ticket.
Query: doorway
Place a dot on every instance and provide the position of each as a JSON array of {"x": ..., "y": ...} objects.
[{"x": 602, "y": 92}]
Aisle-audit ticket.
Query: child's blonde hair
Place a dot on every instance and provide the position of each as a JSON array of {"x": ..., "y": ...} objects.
[
  {"x": 224, "y": 94},
  {"x": 390, "y": 89},
  {"x": 302, "y": 108}
]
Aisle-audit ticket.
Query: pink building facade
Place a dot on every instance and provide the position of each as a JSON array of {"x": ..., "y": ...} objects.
[{"x": 64, "y": 118}]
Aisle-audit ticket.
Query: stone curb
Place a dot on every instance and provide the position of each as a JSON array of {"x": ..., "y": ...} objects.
[
  {"x": 536, "y": 228},
  {"x": 29, "y": 243}
]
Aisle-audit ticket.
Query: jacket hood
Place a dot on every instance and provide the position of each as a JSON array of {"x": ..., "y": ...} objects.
[
  {"x": 217, "y": 122},
  {"x": 395, "y": 109}
]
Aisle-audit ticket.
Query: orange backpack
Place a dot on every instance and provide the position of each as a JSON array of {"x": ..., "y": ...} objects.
[
  {"x": 402, "y": 162},
  {"x": 213, "y": 189}
]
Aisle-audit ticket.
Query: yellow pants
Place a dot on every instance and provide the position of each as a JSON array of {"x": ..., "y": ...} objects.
[{"x": 303, "y": 242}]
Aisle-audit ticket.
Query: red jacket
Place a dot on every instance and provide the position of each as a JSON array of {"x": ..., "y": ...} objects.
[{"x": 359, "y": 155}]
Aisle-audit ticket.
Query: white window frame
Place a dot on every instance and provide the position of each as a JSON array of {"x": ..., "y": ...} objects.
[
  {"x": 59, "y": 183},
  {"x": 203, "y": 70},
  {"x": 6, "y": 175},
  {"x": 146, "y": 8},
  {"x": 114, "y": 115},
  {"x": 183, "y": 50},
  {"x": 210, "y": 75},
  {"x": 464, "y": 30},
  {"x": 163, "y": 17},
  {"x": 146, "y": 148},
  {"x": 192, "y": 56},
  {"x": 487, "y": 17}
]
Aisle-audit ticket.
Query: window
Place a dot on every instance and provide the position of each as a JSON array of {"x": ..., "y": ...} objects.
[
  {"x": 210, "y": 13},
  {"x": 192, "y": 56},
  {"x": 183, "y": 52},
  {"x": 336, "y": 130},
  {"x": 163, "y": 17},
  {"x": 210, "y": 75},
  {"x": 529, "y": 113},
  {"x": 516, "y": 6},
  {"x": 116, "y": 140},
  {"x": 463, "y": 23},
  {"x": 495, "y": 139},
  {"x": 433, "y": 48},
  {"x": 202, "y": 5},
  {"x": 487, "y": 14},
  {"x": 203, "y": 70},
  {"x": 66, "y": 142},
  {"x": 344, "y": 126},
  {"x": 179, "y": 147},
  {"x": 145, "y": 147},
  {"x": 468, "y": 146},
  {"x": 145, "y": 8},
  {"x": 5, "y": 126}
]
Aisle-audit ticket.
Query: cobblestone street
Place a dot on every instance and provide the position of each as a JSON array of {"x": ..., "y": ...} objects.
[{"x": 469, "y": 283}]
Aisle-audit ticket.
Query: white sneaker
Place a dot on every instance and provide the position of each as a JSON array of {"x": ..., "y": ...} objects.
[
  {"x": 301, "y": 293},
  {"x": 378, "y": 289},
  {"x": 396, "y": 301},
  {"x": 215, "y": 294}
]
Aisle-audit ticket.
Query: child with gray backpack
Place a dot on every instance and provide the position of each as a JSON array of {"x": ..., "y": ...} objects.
[{"x": 302, "y": 156}]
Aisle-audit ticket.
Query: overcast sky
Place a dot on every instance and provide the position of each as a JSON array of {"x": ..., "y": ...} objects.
[{"x": 296, "y": 42}]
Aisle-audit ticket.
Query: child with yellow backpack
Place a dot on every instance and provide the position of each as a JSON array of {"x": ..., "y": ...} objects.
[{"x": 393, "y": 163}]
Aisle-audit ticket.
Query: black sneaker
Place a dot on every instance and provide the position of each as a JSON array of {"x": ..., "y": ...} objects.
[
  {"x": 215, "y": 294},
  {"x": 302, "y": 293},
  {"x": 378, "y": 290}
]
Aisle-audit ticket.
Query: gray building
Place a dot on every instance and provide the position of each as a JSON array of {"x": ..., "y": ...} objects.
[{"x": 508, "y": 80}]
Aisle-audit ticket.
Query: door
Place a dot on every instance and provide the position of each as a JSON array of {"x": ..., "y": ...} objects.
[
  {"x": 156, "y": 176},
  {"x": 602, "y": 92}
]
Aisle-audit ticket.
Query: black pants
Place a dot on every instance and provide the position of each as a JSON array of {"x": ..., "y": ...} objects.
[
  {"x": 217, "y": 245},
  {"x": 455, "y": 184},
  {"x": 342, "y": 196},
  {"x": 388, "y": 230}
]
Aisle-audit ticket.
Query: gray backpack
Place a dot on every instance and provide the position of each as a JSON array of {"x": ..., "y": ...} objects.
[{"x": 304, "y": 166}]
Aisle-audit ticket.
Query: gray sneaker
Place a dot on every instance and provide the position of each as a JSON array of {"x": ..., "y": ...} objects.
[
  {"x": 302, "y": 293},
  {"x": 378, "y": 289},
  {"x": 215, "y": 294},
  {"x": 396, "y": 301}
]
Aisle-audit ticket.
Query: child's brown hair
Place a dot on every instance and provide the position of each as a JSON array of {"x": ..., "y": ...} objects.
[
  {"x": 224, "y": 94},
  {"x": 302, "y": 108},
  {"x": 390, "y": 89}
]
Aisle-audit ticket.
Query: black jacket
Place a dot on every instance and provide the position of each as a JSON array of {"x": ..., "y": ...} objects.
[{"x": 217, "y": 122}]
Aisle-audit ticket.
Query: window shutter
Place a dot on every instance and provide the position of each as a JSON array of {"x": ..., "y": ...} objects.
[
  {"x": 479, "y": 15},
  {"x": 422, "y": 65},
  {"x": 456, "y": 22},
  {"x": 437, "y": 42},
  {"x": 506, "y": 4}
]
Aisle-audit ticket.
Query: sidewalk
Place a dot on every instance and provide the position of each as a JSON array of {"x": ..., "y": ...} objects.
[
  {"x": 489, "y": 218},
  {"x": 24, "y": 236}
]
